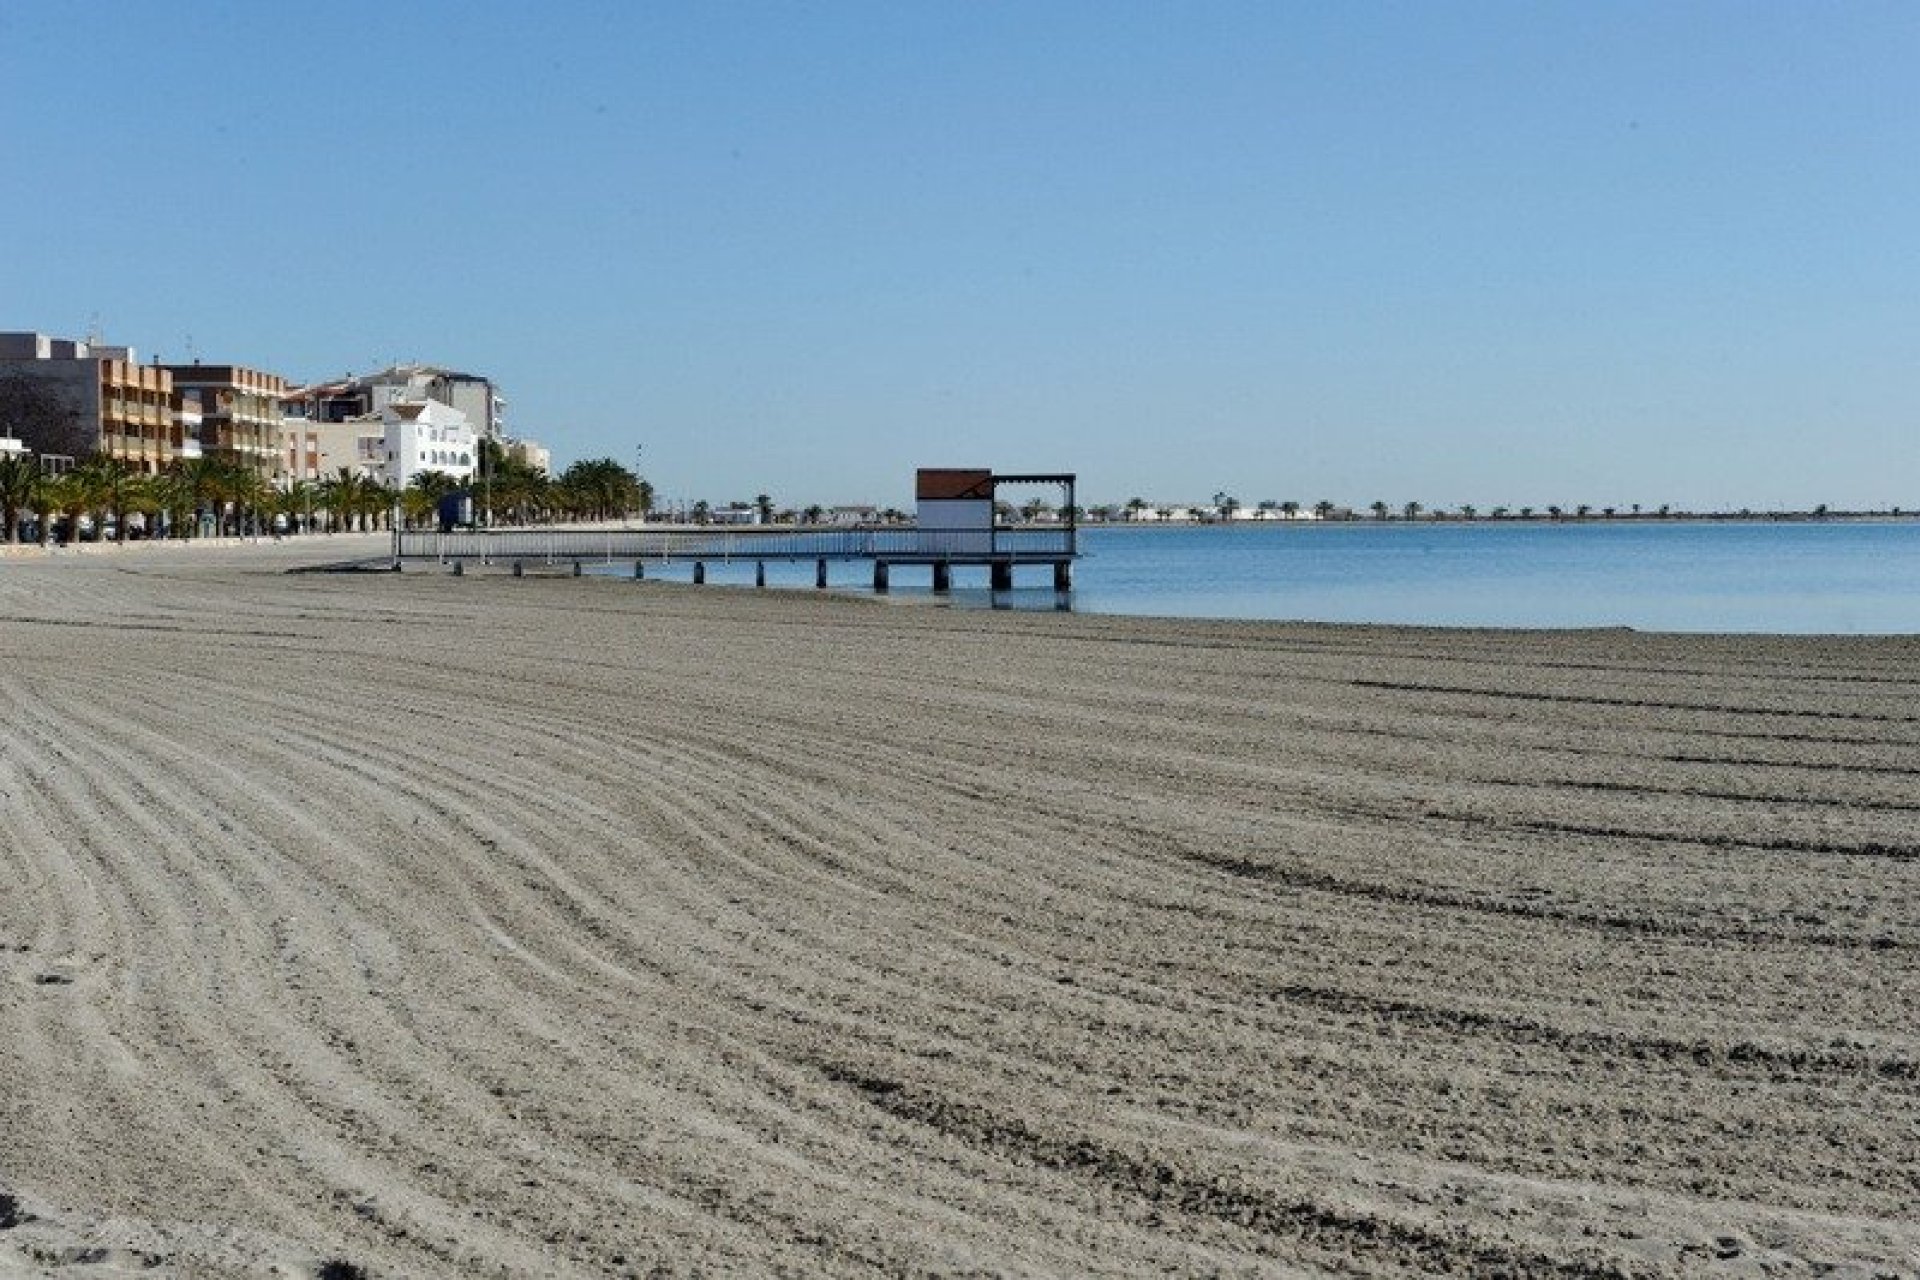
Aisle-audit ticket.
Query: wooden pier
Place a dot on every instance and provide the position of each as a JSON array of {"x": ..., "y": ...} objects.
[
  {"x": 880, "y": 551},
  {"x": 957, "y": 528}
]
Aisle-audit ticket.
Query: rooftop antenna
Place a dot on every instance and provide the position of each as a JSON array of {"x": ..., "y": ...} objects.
[
  {"x": 93, "y": 329},
  {"x": 193, "y": 356}
]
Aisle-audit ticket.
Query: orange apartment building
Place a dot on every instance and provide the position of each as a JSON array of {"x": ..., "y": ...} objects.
[
  {"x": 118, "y": 407},
  {"x": 240, "y": 413}
]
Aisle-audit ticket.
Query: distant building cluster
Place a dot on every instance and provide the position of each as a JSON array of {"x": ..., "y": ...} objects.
[{"x": 385, "y": 427}]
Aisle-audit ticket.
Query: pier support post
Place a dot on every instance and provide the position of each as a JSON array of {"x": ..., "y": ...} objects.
[
  {"x": 1063, "y": 575},
  {"x": 942, "y": 577},
  {"x": 519, "y": 569},
  {"x": 699, "y": 573},
  {"x": 578, "y": 568},
  {"x": 639, "y": 570},
  {"x": 880, "y": 577},
  {"x": 459, "y": 567},
  {"x": 1001, "y": 574},
  {"x": 820, "y": 575},
  {"x": 759, "y": 573}
]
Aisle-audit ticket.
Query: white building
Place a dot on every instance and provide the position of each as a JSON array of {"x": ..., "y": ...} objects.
[
  {"x": 475, "y": 395},
  {"x": 426, "y": 435}
]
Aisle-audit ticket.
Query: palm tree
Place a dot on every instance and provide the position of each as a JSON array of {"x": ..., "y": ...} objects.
[
  {"x": 168, "y": 499},
  {"x": 1412, "y": 510},
  {"x": 423, "y": 495},
  {"x": 196, "y": 488},
  {"x": 296, "y": 500},
  {"x": 146, "y": 496},
  {"x": 246, "y": 491},
  {"x": 600, "y": 488},
  {"x": 417, "y": 506},
  {"x": 1290, "y": 509},
  {"x": 1323, "y": 508},
  {"x": 339, "y": 494},
  {"x": 763, "y": 503},
  {"x": 1468, "y": 511},
  {"x": 111, "y": 487},
  {"x": 520, "y": 490},
  {"x": 74, "y": 495},
  {"x": 1379, "y": 510},
  {"x": 19, "y": 490},
  {"x": 813, "y": 513},
  {"x": 376, "y": 504}
]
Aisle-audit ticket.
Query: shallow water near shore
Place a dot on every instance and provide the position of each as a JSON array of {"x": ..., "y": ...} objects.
[{"x": 1810, "y": 578}]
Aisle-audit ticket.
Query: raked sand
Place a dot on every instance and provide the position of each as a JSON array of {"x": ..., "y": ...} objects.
[{"x": 429, "y": 926}]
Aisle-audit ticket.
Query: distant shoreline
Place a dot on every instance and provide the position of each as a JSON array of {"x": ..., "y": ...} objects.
[{"x": 1717, "y": 517}]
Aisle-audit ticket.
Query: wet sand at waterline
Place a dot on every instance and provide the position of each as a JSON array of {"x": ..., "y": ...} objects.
[{"x": 412, "y": 925}]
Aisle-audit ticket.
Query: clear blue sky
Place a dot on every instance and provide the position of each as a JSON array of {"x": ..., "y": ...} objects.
[{"x": 1520, "y": 253}]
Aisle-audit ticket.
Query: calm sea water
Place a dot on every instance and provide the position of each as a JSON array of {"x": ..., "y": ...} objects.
[{"x": 1843, "y": 578}]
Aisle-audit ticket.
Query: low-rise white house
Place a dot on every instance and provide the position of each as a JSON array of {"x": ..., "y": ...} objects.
[{"x": 426, "y": 435}]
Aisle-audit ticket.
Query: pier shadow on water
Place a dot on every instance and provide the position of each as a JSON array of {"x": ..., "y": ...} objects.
[{"x": 911, "y": 584}]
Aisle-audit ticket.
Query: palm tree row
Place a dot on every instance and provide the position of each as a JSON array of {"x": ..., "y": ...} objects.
[
  {"x": 593, "y": 489},
  {"x": 211, "y": 496},
  {"x": 202, "y": 494}
]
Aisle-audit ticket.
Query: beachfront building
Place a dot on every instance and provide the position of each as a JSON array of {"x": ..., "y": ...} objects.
[
  {"x": 477, "y": 397},
  {"x": 104, "y": 402},
  {"x": 419, "y": 436},
  {"x": 240, "y": 413},
  {"x": 531, "y": 454},
  {"x": 313, "y": 451}
]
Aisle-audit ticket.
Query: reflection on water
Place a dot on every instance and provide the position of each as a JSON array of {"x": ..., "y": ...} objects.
[{"x": 909, "y": 584}]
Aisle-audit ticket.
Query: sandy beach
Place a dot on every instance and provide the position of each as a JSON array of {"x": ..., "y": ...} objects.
[{"x": 411, "y": 925}]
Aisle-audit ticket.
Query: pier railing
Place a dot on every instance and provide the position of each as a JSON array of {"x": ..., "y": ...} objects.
[{"x": 908, "y": 544}]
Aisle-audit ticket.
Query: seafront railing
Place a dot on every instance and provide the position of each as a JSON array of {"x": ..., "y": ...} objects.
[{"x": 911, "y": 544}]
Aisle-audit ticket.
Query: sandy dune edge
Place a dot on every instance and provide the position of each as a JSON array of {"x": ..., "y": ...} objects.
[{"x": 429, "y": 926}]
